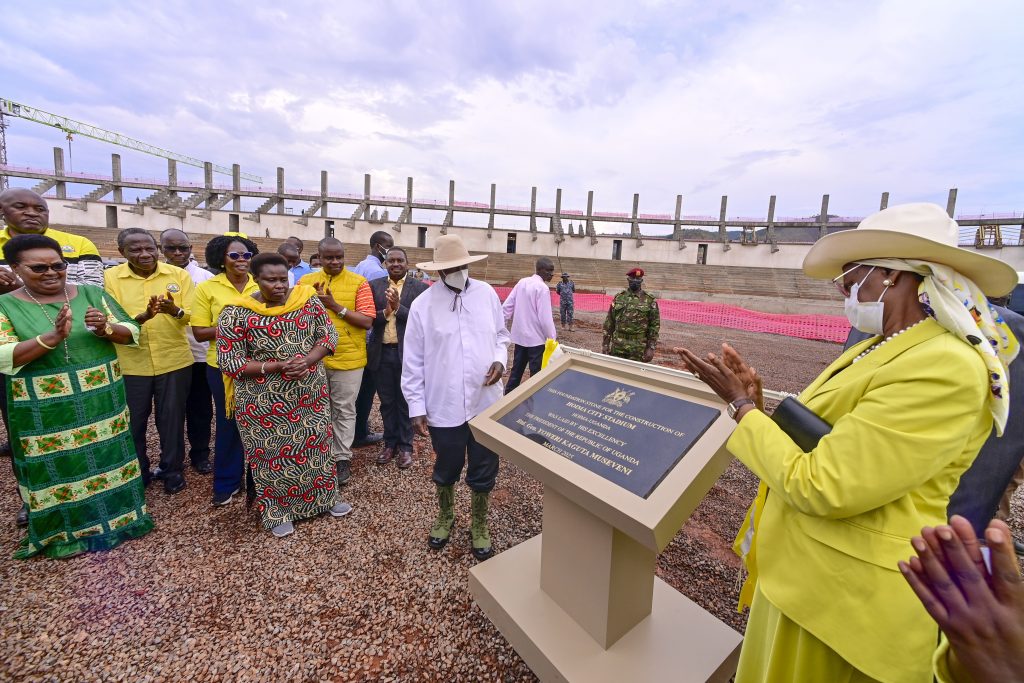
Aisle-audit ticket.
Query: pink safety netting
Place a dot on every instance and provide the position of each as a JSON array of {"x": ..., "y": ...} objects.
[{"x": 823, "y": 327}]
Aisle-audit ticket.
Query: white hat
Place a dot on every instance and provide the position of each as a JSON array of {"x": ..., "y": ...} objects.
[
  {"x": 450, "y": 252},
  {"x": 910, "y": 231}
]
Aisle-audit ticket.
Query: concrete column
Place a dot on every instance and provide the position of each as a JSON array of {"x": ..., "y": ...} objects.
[
  {"x": 323, "y": 193},
  {"x": 366, "y": 196},
  {"x": 634, "y": 228},
  {"x": 951, "y": 202},
  {"x": 533, "y": 211},
  {"x": 770, "y": 229},
  {"x": 115, "y": 173},
  {"x": 823, "y": 217},
  {"x": 280, "y": 190},
  {"x": 490, "y": 219},
  {"x": 722, "y": 233},
  {"x": 884, "y": 204},
  {"x": 236, "y": 185},
  {"x": 208, "y": 175},
  {"x": 58, "y": 170},
  {"x": 590, "y": 217},
  {"x": 677, "y": 228},
  {"x": 558, "y": 208}
]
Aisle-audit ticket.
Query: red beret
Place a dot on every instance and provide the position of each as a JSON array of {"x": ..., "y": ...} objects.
[{"x": 636, "y": 272}]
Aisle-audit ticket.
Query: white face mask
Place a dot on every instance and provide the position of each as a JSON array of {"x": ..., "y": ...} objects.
[
  {"x": 866, "y": 316},
  {"x": 456, "y": 280}
]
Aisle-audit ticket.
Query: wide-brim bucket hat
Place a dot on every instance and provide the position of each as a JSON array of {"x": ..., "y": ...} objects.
[
  {"x": 919, "y": 231},
  {"x": 450, "y": 252}
]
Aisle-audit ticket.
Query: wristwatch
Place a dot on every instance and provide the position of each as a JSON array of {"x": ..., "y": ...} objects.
[
  {"x": 180, "y": 314},
  {"x": 735, "y": 406},
  {"x": 343, "y": 312},
  {"x": 107, "y": 331}
]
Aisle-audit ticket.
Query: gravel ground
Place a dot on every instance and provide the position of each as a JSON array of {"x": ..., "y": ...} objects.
[{"x": 207, "y": 596}]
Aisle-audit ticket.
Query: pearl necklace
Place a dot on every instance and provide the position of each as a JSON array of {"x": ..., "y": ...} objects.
[{"x": 882, "y": 343}]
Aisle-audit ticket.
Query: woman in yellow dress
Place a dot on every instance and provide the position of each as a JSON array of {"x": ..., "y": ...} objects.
[{"x": 909, "y": 409}]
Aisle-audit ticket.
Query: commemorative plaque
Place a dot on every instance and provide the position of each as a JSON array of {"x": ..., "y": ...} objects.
[
  {"x": 625, "y": 453},
  {"x": 628, "y": 435}
]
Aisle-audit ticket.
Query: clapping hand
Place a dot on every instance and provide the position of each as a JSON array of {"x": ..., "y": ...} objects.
[
  {"x": 980, "y": 611},
  {"x": 728, "y": 375},
  {"x": 95, "y": 319},
  {"x": 152, "y": 308},
  {"x": 166, "y": 305},
  {"x": 62, "y": 323},
  {"x": 392, "y": 302},
  {"x": 8, "y": 280}
]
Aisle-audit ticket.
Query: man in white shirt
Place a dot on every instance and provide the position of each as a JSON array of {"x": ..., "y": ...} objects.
[
  {"x": 528, "y": 306},
  {"x": 177, "y": 250},
  {"x": 454, "y": 355}
]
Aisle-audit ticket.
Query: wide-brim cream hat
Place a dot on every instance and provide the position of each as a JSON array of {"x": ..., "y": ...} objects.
[
  {"x": 920, "y": 231},
  {"x": 450, "y": 252}
]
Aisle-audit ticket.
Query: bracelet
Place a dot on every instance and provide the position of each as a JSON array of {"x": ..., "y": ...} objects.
[
  {"x": 263, "y": 368},
  {"x": 39, "y": 340}
]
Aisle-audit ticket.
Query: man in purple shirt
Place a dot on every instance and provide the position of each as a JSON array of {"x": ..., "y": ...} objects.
[{"x": 529, "y": 307}]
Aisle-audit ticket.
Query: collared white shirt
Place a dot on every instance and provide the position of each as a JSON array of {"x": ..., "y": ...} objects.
[
  {"x": 198, "y": 274},
  {"x": 529, "y": 307},
  {"x": 447, "y": 353}
]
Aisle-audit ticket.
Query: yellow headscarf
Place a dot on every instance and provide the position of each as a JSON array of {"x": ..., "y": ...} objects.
[{"x": 297, "y": 298}]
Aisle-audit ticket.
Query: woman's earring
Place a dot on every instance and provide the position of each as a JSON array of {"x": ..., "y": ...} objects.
[{"x": 888, "y": 283}]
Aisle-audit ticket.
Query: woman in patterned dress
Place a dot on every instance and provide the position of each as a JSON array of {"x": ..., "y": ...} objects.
[
  {"x": 73, "y": 453},
  {"x": 269, "y": 347}
]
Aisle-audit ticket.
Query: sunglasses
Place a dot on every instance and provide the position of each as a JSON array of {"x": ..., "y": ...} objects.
[
  {"x": 172, "y": 247},
  {"x": 234, "y": 255},
  {"x": 40, "y": 268}
]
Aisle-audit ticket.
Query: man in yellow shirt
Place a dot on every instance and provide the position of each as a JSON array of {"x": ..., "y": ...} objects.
[
  {"x": 159, "y": 297},
  {"x": 349, "y": 304},
  {"x": 26, "y": 213}
]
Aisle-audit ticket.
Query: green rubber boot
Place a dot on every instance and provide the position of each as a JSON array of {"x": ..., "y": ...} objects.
[
  {"x": 442, "y": 528},
  {"x": 481, "y": 536}
]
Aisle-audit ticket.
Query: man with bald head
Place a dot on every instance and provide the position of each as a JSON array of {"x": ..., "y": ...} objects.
[
  {"x": 528, "y": 306},
  {"x": 177, "y": 250},
  {"x": 26, "y": 213}
]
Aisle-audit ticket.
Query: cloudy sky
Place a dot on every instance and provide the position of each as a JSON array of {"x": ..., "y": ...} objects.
[{"x": 695, "y": 98}]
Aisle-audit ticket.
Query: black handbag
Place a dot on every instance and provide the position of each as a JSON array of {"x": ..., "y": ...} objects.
[{"x": 800, "y": 423}]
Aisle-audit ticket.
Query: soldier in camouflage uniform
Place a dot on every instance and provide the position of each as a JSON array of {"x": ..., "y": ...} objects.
[
  {"x": 566, "y": 290},
  {"x": 633, "y": 322}
]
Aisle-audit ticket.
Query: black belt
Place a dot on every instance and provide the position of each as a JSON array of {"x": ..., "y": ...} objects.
[{"x": 390, "y": 346}]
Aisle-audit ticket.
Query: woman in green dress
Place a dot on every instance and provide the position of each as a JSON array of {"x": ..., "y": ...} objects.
[{"x": 73, "y": 453}]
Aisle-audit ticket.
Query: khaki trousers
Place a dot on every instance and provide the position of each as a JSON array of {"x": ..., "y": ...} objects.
[{"x": 344, "y": 386}]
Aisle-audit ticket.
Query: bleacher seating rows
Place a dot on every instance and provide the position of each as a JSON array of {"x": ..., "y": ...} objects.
[{"x": 589, "y": 274}]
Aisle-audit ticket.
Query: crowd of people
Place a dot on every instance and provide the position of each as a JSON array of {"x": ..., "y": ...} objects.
[{"x": 286, "y": 357}]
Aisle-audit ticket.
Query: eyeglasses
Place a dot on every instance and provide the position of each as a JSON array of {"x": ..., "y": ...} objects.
[
  {"x": 841, "y": 286},
  {"x": 174, "y": 247},
  {"x": 234, "y": 255},
  {"x": 40, "y": 268}
]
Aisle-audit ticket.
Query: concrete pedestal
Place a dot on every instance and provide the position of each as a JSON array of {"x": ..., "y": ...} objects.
[{"x": 676, "y": 641}]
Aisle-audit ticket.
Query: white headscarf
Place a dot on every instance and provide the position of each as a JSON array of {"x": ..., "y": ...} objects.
[{"x": 958, "y": 305}]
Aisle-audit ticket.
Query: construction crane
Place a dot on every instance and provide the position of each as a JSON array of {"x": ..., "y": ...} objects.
[{"x": 73, "y": 127}]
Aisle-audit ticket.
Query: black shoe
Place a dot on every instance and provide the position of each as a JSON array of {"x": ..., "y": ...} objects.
[
  {"x": 1018, "y": 547},
  {"x": 222, "y": 499},
  {"x": 202, "y": 467},
  {"x": 344, "y": 470},
  {"x": 157, "y": 474},
  {"x": 482, "y": 554},
  {"x": 435, "y": 543},
  {"x": 174, "y": 483},
  {"x": 22, "y": 518},
  {"x": 5, "y": 450},
  {"x": 368, "y": 440}
]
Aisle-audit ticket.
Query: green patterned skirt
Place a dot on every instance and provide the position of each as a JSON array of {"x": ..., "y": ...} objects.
[{"x": 73, "y": 452}]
